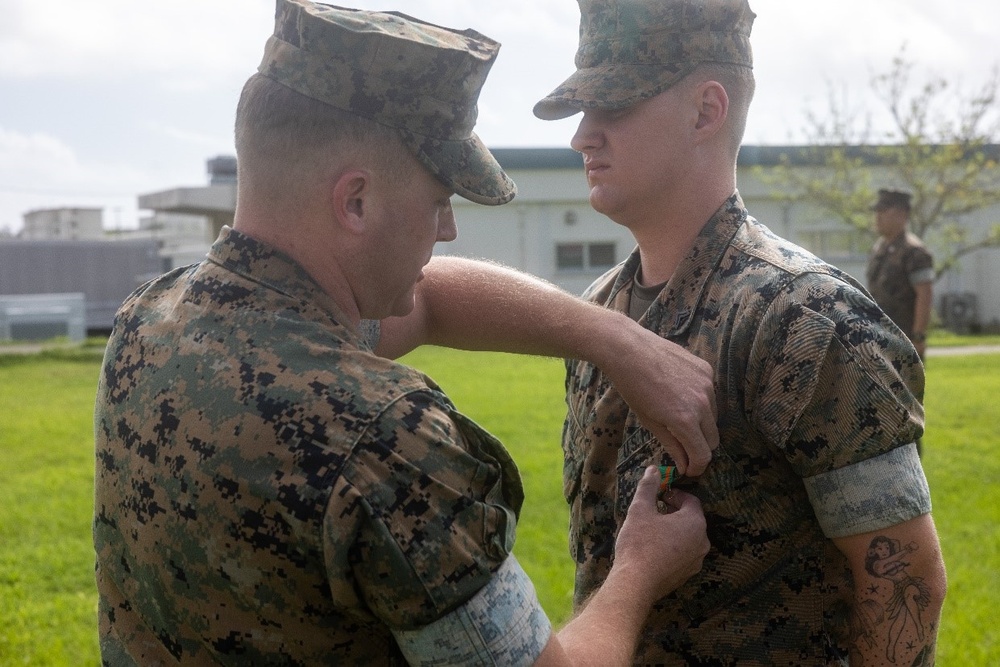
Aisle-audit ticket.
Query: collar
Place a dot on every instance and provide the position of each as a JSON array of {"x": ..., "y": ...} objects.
[
  {"x": 884, "y": 245},
  {"x": 671, "y": 313},
  {"x": 263, "y": 264}
]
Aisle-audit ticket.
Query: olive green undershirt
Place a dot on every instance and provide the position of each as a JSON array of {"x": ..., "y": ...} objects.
[{"x": 642, "y": 296}]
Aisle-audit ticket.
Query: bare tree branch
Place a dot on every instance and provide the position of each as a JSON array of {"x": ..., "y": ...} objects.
[{"x": 941, "y": 145}]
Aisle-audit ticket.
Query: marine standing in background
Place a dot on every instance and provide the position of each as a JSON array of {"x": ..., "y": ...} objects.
[{"x": 901, "y": 269}]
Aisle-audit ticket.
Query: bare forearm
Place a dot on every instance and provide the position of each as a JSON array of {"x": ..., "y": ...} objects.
[
  {"x": 607, "y": 631},
  {"x": 921, "y": 317},
  {"x": 481, "y": 306},
  {"x": 903, "y": 634},
  {"x": 473, "y": 305},
  {"x": 899, "y": 590},
  {"x": 922, "y": 307}
]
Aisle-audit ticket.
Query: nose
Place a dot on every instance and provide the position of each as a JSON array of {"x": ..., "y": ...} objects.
[
  {"x": 588, "y": 134},
  {"x": 447, "y": 228}
]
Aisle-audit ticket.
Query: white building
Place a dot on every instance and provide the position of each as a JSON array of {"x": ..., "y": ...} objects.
[
  {"x": 182, "y": 238},
  {"x": 63, "y": 224},
  {"x": 551, "y": 231}
]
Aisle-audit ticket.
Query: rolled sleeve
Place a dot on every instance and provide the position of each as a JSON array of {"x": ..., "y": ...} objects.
[
  {"x": 423, "y": 513},
  {"x": 871, "y": 495},
  {"x": 503, "y": 624},
  {"x": 922, "y": 276}
]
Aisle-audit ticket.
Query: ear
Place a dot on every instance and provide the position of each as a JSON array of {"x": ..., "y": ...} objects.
[
  {"x": 713, "y": 107},
  {"x": 351, "y": 197}
]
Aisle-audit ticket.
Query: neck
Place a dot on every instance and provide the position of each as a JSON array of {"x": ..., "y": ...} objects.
[
  {"x": 892, "y": 236},
  {"x": 307, "y": 242},
  {"x": 665, "y": 236}
]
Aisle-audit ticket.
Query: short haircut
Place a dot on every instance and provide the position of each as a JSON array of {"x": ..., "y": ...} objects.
[
  {"x": 283, "y": 137},
  {"x": 740, "y": 85}
]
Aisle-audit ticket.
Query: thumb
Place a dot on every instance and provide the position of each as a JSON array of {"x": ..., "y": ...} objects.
[
  {"x": 674, "y": 447},
  {"x": 646, "y": 490}
]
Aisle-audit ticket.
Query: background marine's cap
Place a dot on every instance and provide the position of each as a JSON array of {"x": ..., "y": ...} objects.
[
  {"x": 631, "y": 50},
  {"x": 892, "y": 199},
  {"x": 419, "y": 78}
]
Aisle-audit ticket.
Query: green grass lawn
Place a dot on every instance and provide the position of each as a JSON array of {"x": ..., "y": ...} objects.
[
  {"x": 962, "y": 461},
  {"x": 47, "y": 598}
]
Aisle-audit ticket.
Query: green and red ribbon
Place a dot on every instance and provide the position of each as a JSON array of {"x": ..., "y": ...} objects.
[{"x": 667, "y": 476}]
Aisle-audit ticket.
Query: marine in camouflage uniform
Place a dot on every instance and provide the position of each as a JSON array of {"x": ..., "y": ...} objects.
[
  {"x": 900, "y": 271},
  {"x": 819, "y": 396},
  {"x": 816, "y": 413},
  {"x": 237, "y": 414},
  {"x": 268, "y": 491},
  {"x": 899, "y": 262}
]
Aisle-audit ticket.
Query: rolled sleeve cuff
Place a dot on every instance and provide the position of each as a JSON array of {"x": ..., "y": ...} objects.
[
  {"x": 922, "y": 276},
  {"x": 503, "y": 624},
  {"x": 871, "y": 495}
]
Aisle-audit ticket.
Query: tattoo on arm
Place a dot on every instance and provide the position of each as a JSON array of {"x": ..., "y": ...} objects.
[{"x": 890, "y": 608}]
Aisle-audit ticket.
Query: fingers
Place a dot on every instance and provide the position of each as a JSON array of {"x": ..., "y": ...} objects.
[
  {"x": 708, "y": 431},
  {"x": 682, "y": 500},
  {"x": 645, "y": 491},
  {"x": 674, "y": 448},
  {"x": 700, "y": 455},
  {"x": 709, "y": 427},
  {"x": 692, "y": 456},
  {"x": 705, "y": 441},
  {"x": 688, "y": 509},
  {"x": 669, "y": 548}
]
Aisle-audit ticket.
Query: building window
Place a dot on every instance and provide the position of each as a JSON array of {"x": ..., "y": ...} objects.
[
  {"x": 569, "y": 256},
  {"x": 584, "y": 256},
  {"x": 601, "y": 255}
]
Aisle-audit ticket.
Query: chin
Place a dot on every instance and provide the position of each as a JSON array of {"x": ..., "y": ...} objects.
[
  {"x": 603, "y": 203},
  {"x": 403, "y": 307}
]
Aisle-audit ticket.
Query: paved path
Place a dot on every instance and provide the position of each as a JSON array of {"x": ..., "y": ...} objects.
[
  {"x": 958, "y": 351},
  {"x": 34, "y": 348},
  {"x": 21, "y": 348}
]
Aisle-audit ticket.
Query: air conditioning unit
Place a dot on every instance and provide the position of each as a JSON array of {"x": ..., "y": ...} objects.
[
  {"x": 958, "y": 311},
  {"x": 28, "y": 317}
]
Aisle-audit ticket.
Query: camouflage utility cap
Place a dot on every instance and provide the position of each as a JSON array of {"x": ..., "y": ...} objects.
[
  {"x": 892, "y": 199},
  {"x": 631, "y": 50},
  {"x": 421, "y": 79}
]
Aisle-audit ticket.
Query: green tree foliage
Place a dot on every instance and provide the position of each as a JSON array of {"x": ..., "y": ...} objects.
[{"x": 941, "y": 145}]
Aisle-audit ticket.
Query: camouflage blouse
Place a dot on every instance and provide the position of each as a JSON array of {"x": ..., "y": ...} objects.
[
  {"x": 893, "y": 270},
  {"x": 819, "y": 400},
  {"x": 268, "y": 491}
]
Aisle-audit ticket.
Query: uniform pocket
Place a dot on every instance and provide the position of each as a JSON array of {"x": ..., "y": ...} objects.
[
  {"x": 749, "y": 531},
  {"x": 639, "y": 450}
]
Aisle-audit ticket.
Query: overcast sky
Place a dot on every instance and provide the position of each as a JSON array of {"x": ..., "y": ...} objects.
[{"x": 103, "y": 100}]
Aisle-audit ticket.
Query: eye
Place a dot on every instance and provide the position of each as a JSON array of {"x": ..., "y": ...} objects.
[{"x": 618, "y": 114}]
